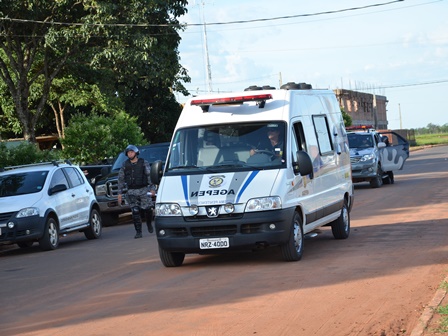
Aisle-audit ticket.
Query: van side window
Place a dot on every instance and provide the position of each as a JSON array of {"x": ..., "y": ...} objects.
[
  {"x": 323, "y": 134},
  {"x": 299, "y": 137}
]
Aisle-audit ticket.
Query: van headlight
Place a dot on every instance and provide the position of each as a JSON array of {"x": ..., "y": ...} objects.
[
  {"x": 263, "y": 204},
  {"x": 168, "y": 209},
  {"x": 27, "y": 212}
]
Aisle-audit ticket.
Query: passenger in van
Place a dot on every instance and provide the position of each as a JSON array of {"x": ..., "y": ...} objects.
[{"x": 275, "y": 143}]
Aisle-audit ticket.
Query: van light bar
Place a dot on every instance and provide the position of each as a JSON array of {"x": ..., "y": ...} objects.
[{"x": 231, "y": 100}]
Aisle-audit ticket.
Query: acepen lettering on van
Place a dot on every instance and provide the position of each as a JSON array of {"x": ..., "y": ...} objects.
[{"x": 253, "y": 169}]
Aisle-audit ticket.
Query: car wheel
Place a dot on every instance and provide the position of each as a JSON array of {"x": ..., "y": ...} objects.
[
  {"x": 171, "y": 259},
  {"x": 341, "y": 226},
  {"x": 95, "y": 228},
  {"x": 292, "y": 250},
  {"x": 25, "y": 244},
  {"x": 50, "y": 239},
  {"x": 378, "y": 180}
]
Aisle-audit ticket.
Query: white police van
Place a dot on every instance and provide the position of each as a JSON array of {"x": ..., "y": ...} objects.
[{"x": 257, "y": 168}]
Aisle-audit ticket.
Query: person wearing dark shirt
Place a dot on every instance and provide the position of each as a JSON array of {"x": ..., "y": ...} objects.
[{"x": 134, "y": 181}]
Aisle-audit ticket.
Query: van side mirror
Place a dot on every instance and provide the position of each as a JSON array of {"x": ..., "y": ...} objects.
[
  {"x": 303, "y": 164},
  {"x": 156, "y": 172}
]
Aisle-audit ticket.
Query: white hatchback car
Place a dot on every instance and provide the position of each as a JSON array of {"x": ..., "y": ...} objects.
[{"x": 40, "y": 202}]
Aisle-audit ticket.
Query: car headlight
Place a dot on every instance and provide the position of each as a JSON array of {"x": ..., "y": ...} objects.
[
  {"x": 264, "y": 203},
  {"x": 168, "y": 209},
  {"x": 367, "y": 157},
  {"x": 100, "y": 190},
  {"x": 27, "y": 212}
]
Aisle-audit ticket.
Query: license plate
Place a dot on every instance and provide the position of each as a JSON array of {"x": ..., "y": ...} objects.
[{"x": 213, "y": 243}]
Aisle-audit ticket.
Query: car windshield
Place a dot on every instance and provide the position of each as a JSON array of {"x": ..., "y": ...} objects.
[
  {"x": 360, "y": 140},
  {"x": 150, "y": 154},
  {"x": 22, "y": 183},
  {"x": 228, "y": 147}
]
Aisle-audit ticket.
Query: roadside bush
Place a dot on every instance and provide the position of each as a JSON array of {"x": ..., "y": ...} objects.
[
  {"x": 92, "y": 139},
  {"x": 25, "y": 153}
]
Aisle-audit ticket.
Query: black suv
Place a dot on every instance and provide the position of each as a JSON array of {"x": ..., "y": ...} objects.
[{"x": 106, "y": 184}]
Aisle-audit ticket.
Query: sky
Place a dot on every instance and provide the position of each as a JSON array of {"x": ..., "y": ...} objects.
[{"x": 398, "y": 49}]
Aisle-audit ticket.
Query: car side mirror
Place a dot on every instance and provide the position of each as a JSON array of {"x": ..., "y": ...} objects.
[
  {"x": 57, "y": 188},
  {"x": 105, "y": 170},
  {"x": 381, "y": 145}
]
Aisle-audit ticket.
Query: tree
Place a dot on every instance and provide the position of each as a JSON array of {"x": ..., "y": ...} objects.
[
  {"x": 41, "y": 38},
  {"x": 347, "y": 118},
  {"x": 157, "y": 111},
  {"x": 33, "y": 52},
  {"x": 90, "y": 140}
]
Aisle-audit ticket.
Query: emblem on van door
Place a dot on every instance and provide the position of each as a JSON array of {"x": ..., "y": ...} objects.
[
  {"x": 212, "y": 211},
  {"x": 216, "y": 181}
]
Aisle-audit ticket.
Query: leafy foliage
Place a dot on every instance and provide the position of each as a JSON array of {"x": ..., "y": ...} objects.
[
  {"x": 347, "y": 118},
  {"x": 25, "y": 153},
  {"x": 89, "y": 56},
  {"x": 97, "y": 137}
]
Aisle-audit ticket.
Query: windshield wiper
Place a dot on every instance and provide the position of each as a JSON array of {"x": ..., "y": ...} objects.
[
  {"x": 186, "y": 167},
  {"x": 225, "y": 165}
]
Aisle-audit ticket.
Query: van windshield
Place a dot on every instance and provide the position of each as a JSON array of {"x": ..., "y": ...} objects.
[{"x": 228, "y": 147}]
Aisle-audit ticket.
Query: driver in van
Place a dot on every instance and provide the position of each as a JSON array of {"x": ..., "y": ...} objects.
[{"x": 275, "y": 144}]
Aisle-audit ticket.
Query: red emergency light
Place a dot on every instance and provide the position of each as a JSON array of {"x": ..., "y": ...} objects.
[
  {"x": 204, "y": 103},
  {"x": 359, "y": 127}
]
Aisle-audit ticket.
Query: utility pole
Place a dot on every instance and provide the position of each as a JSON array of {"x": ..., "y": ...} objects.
[
  {"x": 280, "y": 81},
  {"x": 208, "y": 69},
  {"x": 375, "y": 112}
]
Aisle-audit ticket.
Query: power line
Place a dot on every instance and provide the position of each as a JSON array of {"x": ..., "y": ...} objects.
[
  {"x": 300, "y": 15},
  {"x": 412, "y": 84},
  {"x": 198, "y": 24}
]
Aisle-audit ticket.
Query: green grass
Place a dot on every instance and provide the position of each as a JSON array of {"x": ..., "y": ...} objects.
[
  {"x": 443, "y": 323},
  {"x": 442, "y": 326},
  {"x": 431, "y": 139}
]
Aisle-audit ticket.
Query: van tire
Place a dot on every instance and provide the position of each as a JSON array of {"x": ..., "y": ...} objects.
[
  {"x": 293, "y": 249},
  {"x": 171, "y": 259},
  {"x": 341, "y": 226},
  {"x": 50, "y": 239}
]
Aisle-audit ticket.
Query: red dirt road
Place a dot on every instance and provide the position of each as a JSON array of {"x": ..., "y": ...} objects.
[{"x": 377, "y": 282}]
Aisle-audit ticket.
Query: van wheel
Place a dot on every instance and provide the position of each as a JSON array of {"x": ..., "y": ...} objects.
[
  {"x": 378, "y": 180},
  {"x": 171, "y": 259},
  {"x": 341, "y": 226},
  {"x": 95, "y": 227},
  {"x": 293, "y": 249},
  {"x": 50, "y": 239}
]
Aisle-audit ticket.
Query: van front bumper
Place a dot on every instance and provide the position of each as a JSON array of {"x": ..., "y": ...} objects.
[{"x": 245, "y": 231}]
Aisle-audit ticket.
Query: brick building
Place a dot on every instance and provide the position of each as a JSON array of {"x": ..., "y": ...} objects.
[{"x": 364, "y": 108}]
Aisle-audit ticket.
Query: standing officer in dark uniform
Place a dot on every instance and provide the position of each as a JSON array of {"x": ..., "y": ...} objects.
[{"x": 134, "y": 180}]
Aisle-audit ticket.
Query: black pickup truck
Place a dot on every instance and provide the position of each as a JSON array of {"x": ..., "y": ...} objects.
[{"x": 106, "y": 184}]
